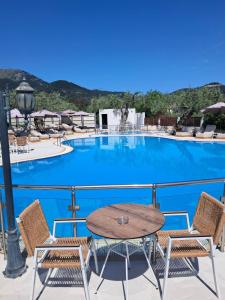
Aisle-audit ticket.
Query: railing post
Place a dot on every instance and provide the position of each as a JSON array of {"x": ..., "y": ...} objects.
[
  {"x": 73, "y": 203},
  {"x": 73, "y": 207},
  {"x": 154, "y": 197},
  {"x": 2, "y": 226},
  {"x": 154, "y": 203}
]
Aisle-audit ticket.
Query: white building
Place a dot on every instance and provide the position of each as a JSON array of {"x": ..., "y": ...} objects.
[{"x": 111, "y": 119}]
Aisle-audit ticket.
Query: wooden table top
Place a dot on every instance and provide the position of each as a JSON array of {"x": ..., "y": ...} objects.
[{"x": 143, "y": 220}]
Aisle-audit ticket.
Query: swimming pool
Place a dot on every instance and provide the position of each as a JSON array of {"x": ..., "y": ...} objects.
[{"x": 121, "y": 160}]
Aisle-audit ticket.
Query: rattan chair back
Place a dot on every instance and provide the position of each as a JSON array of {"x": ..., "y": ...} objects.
[
  {"x": 33, "y": 227},
  {"x": 209, "y": 217}
]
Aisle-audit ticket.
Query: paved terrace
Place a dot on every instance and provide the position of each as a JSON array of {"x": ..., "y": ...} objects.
[
  {"x": 44, "y": 149},
  {"x": 62, "y": 284}
]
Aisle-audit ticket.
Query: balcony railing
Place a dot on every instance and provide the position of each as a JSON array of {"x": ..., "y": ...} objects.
[{"x": 74, "y": 188}]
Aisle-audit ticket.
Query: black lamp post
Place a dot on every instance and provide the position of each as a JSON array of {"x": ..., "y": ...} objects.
[{"x": 25, "y": 100}]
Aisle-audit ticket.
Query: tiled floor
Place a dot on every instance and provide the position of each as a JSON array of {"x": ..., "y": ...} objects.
[{"x": 182, "y": 285}]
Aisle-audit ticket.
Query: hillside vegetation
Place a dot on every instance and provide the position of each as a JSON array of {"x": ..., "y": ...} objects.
[{"x": 61, "y": 94}]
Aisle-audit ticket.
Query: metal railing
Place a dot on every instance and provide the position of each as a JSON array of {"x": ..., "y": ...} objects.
[
  {"x": 132, "y": 129},
  {"x": 152, "y": 186}
]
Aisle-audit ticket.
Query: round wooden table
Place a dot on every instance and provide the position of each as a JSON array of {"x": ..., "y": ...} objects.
[{"x": 142, "y": 221}]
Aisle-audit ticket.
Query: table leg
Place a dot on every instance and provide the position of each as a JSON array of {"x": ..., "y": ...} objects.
[
  {"x": 154, "y": 252},
  {"x": 103, "y": 268},
  {"x": 128, "y": 257},
  {"x": 146, "y": 257},
  {"x": 95, "y": 255}
]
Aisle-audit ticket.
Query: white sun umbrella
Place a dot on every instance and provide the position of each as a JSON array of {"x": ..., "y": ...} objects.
[
  {"x": 15, "y": 113},
  {"x": 81, "y": 113},
  {"x": 215, "y": 108},
  {"x": 44, "y": 113},
  {"x": 68, "y": 112},
  {"x": 16, "y": 117},
  {"x": 51, "y": 119}
]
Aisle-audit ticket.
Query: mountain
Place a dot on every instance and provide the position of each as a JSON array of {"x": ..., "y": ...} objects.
[
  {"x": 212, "y": 86},
  {"x": 69, "y": 90}
]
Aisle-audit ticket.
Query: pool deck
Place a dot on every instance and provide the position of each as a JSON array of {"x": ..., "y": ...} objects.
[
  {"x": 44, "y": 149},
  {"x": 62, "y": 285},
  {"x": 49, "y": 148}
]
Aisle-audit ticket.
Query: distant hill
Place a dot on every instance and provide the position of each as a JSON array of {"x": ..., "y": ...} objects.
[
  {"x": 210, "y": 86},
  {"x": 70, "y": 91},
  {"x": 62, "y": 94}
]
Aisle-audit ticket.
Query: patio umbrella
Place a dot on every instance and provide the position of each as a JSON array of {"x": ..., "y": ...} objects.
[
  {"x": 81, "y": 113},
  {"x": 44, "y": 113},
  {"x": 215, "y": 108},
  {"x": 68, "y": 112},
  {"x": 15, "y": 113}
]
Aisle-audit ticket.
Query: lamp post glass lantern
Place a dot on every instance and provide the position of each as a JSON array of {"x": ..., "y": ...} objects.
[
  {"x": 25, "y": 99},
  {"x": 25, "y": 103}
]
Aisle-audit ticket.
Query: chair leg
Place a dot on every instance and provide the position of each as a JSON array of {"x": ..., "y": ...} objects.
[
  {"x": 126, "y": 270},
  {"x": 214, "y": 269},
  {"x": 95, "y": 256},
  {"x": 145, "y": 254},
  {"x": 48, "y": 275},
  {"x": 154, "y": 252},
  {"x": 34, "y": 276},
  {"x": 106, "y": 259},
  {"x": 150, "y": 249},
  {"x": 84, "y": 275},
  {"x": 166, "y": 269}
]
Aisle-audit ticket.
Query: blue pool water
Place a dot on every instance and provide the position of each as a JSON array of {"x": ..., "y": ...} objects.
[{"x": 121, "y": 160}]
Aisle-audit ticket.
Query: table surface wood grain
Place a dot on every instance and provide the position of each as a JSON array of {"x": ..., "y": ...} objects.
[{"x": 143, "y": 220}]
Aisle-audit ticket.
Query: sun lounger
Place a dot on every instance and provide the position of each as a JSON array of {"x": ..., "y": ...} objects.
[
  {"x": 35, "y": 133},
  {"x": 56, "y": 135},
  {"x": 184, "y": 134},
  {"x": 68, "y": 132},
  {"x": 77, "y": 129},
  {"x": 220, "y": 135},
  {"x": 66, "y": 127},
  {"x": 34, "y": 139},
  {"x": 208, "y": 133}
]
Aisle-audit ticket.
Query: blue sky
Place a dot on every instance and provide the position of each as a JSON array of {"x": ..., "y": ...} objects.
[{"x": 124, "y": 45}]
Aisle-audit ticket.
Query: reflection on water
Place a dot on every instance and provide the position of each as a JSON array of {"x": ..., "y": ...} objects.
[
  {"x": 126, "y": 159},
  {"x": 121, "y": 160}
]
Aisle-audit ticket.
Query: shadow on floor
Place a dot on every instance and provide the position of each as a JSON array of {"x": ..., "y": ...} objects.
[{"x": 115, "y": 271}]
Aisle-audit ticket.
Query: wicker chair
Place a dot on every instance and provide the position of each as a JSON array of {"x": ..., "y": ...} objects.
[
  {"x": 50, "y": 252},
  {"x": 22, "y": 144},
  {"x": 198, "y": 240}
]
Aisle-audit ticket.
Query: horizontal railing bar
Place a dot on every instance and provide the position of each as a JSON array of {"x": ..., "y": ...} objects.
[
  {"x": 192, "y": 182},
  {"x": 115, "y": 186},
  {"x": 41, "y": 187}
]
